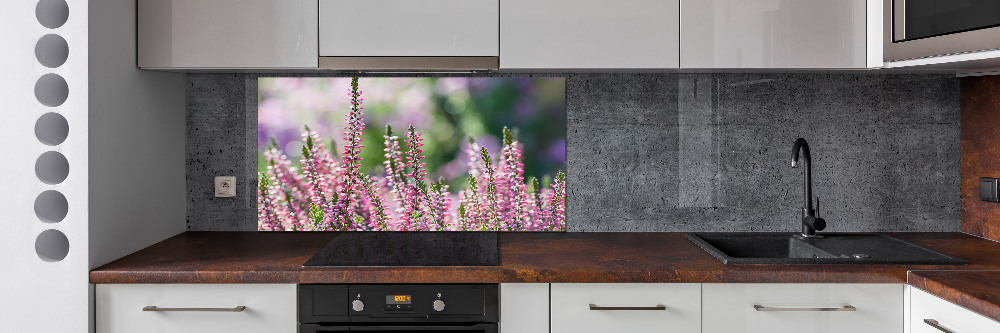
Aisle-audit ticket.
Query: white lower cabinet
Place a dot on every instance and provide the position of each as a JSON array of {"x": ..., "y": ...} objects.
[
  {"x": 524, "y": 308},
  {"x": 930, "y": 314},
  {"x": 626, "y": 307},
  {"x": 802, "y": 308},
  {"x": 570, "y": 307},
  {"x": 196, "y": 308}
]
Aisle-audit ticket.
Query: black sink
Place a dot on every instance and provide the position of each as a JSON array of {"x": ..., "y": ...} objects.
[{"x": 787, "y": 248}]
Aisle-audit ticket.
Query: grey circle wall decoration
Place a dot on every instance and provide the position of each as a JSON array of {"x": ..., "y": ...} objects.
[
  {"x": 51, "y": 90},
  {"x": 51, "y": 50},
  {"x": 51, "y": 129},
  {"x": 51, "y": 206},
  {"x": 52, "y": 245},
  {"x": 52, "y": 167},
  {"x": 52, "y": 13}
]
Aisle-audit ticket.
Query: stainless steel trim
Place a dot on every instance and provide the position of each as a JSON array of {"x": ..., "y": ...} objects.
[
  {"x": 934, "y": 323},
  {"x": 409, "y": 63},
  {"x": 963, "y": 42},
  {"x": 158, "y": 309},
  {"x": 627, "y": 308},
  {"x": 759, "y": 307}
]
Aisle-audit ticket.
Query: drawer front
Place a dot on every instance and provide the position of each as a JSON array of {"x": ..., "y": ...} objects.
[
  {"x": 730, "y": 308},
  {"x": 949, "y": 316},
  {"x": 269, "y": 308},
  {"x": 572, "y": 311}
]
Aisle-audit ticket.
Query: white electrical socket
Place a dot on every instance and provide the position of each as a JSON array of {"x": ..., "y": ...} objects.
[{"x": 225, "y": 186}]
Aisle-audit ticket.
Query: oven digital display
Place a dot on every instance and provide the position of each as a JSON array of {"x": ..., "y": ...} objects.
[{"x": 397, "y": 299}]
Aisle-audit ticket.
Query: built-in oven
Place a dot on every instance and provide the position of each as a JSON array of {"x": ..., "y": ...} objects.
[
  {"x": 927, "y": 28},
  {"x": 465, "y": 308}
]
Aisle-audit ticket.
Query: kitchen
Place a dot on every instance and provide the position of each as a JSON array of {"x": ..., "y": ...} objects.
[{"x": 686, "y": 127}]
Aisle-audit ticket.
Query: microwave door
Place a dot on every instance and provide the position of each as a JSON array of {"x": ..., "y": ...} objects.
[
  {"x": 916, "y": 19},
  {"x": 914, "y": 29}
]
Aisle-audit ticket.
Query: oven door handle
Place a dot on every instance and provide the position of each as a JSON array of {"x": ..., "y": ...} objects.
[{"x": 484, "y": 328}]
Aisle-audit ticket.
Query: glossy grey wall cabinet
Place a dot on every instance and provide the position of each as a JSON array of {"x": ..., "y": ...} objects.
[
  {"x": 780, "y": 34},
  {"x": 220, "y": 34}
]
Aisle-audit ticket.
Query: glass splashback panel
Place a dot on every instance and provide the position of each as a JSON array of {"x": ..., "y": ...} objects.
[{"x": 411, "y": 154}]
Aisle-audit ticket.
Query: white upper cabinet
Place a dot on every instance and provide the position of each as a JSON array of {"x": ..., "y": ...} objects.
[
  {"x": 779, "y": 33},
  {"x": 406, "y": 28},
  {"x": 582, "y": 34},
  {"x": 227, "y": 34}
]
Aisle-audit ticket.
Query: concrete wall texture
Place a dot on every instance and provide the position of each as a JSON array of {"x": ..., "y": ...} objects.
[{"x": 683, "y": 152}]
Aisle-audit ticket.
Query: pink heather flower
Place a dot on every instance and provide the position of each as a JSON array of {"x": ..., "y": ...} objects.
[
  {"x": 377, "y": 215},
  {"x": 395, "y": 177},
  {"x": 439, "y": 205},
  {"x": 511, "y": 184},
  {"x": 352, "y": 147},
  {"x": 288, "y": 190},
  {"x": 416, "y": 190},
  {"x": 491, "y": 206},
  {"x": 267, "y": 219},
  {"x": 554, "y": 217}
]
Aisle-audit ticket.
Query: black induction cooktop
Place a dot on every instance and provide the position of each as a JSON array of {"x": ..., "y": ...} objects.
[{"x": 409, "y": 248}]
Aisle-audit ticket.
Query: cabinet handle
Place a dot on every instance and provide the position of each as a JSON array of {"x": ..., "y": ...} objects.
[
  {"x": 629, "y": 308},
  {"x": 759, "y": 307},
  {"x": 935, "y": 324},
  {"x": 233, "y": 309}
]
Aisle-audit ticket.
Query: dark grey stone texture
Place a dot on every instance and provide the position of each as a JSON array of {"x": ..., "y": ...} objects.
[
  {"x": 221, "y": 141},
  {"x": 409, "y": 248},
  {"x": 684, "y": 152}
]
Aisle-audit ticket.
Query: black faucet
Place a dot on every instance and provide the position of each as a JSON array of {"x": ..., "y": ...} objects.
[{"x": 810, "y": 222}]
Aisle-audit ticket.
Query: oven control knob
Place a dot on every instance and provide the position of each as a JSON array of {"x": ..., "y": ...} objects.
[
  {"x": 358, "y": 305},
  {"x": 438, "y": 305}
]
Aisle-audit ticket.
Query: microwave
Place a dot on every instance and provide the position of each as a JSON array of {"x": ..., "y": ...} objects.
[{"x": 916, "y": 29}]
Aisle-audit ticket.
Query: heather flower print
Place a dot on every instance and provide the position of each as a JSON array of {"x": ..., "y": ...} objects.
[{"x": 431, "y": 163}]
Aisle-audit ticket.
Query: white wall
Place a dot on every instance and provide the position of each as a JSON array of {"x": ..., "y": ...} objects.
[
  {"x": 137, "y": 185},
  {"x": 125, "y": 150},
  {"x": 37, "y": 295}
]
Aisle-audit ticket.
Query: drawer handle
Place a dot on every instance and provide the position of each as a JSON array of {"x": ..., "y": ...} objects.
[
  {"x": 233, "y": 309},
  {"x": 628, "y": 308},
  {"x": 935, "y": 324},
  {"x": 759, "y": 307}
]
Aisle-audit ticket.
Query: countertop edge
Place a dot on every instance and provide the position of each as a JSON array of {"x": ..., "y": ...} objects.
[{"x": 931, "y": 282}]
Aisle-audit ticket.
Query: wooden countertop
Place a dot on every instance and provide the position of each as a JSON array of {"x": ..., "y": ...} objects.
[
  {"x": 277, "y": 257},
  {"x": 978, "y": 291}
]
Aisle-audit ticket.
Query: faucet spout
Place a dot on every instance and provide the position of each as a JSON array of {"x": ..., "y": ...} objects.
[
  {"x": 810, "y": 222},
  {"x": 803, "y": 146}
]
